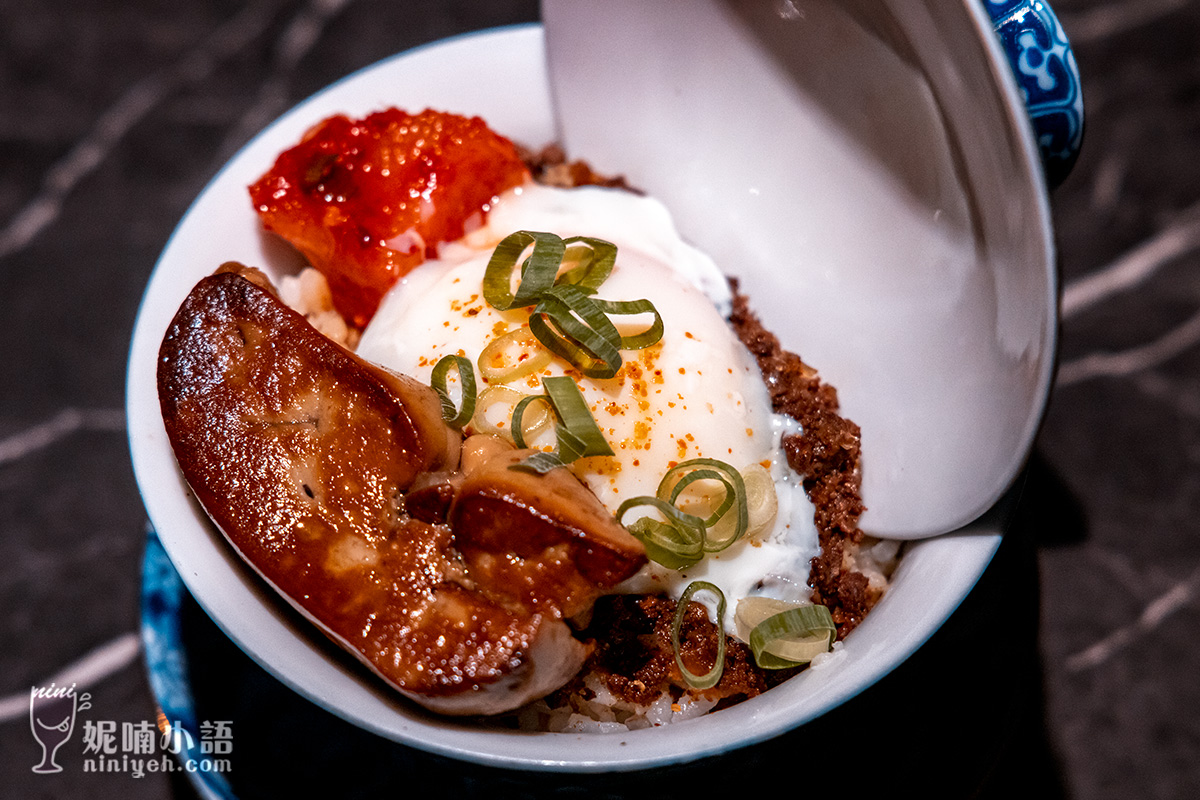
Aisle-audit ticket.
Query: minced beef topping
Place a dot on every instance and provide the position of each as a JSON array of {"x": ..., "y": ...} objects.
[
  {"x": 550, "y": 167},
  {"x": 826, "y": 453},
  {"x": 631, "y": 635}
]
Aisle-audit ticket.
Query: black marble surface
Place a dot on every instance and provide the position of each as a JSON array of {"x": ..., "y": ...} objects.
[{"x": 113, "y": 116}]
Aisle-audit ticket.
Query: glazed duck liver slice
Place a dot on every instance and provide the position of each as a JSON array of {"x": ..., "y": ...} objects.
[{"x": 301, "y": 453}]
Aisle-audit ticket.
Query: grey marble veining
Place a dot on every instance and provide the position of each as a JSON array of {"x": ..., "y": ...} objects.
[
  {"x": 114, "y": 115},
  {"x": 1120, "y": 621}
]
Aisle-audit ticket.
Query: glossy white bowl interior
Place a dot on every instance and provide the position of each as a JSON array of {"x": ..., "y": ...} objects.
[
  {"x": 501, "y": 76},
  {"x": 865, "y": 167}
]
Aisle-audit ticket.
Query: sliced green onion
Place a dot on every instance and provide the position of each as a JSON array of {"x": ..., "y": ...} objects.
[
  {"x": 541, "y": 463},
  {"x": 730, "y": 519},
  {"x": 762, "y": 502},
  {"x": 571, "y": 324},
  {"x": 517, "y": 428},
  {"x": 499, "y": 364},
  {"x": 492, "y": 395},
  {"x": 646, "y": 338},
  {"x": 538, "y": 271},
  {"x": 710, "y": 678},
  {"x": 680, "y": 539},
  {"x": 792, "y": 637},
  {"x": 566, "y": 319},
  {"x": 578, "y": 435},
  {"x": 728, "y": 496},
  {"x": 594, "y": 262},
  {"x": 455, "y": 417},
  {"x": 676, "y": 541}
]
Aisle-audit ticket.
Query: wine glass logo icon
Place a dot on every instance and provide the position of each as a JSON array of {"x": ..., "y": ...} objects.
[{"x": 52, "y": 720}]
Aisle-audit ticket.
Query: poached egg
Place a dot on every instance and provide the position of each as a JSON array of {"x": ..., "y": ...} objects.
[{"x": 697, "y": 393}]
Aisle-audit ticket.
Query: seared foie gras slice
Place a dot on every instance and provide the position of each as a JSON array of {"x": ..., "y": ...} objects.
[
  {"x": 539, "y": 540},
  {"x": 300, "y": 452}
]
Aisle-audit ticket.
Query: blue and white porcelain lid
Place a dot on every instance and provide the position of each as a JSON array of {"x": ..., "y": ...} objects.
[{"x": 1048, "y": 76}]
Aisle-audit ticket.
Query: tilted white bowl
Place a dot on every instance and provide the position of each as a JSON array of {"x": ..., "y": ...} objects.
[{"x": 867, "y": 168}]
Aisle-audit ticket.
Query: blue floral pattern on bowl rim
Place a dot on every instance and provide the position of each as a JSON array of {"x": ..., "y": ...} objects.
[
  {"x": 1047, "y": 75},
  {"x": 167, "y": 664}
]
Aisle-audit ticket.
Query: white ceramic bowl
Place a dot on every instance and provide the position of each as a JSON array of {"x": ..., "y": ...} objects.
[{"x": 501, "y": 76}]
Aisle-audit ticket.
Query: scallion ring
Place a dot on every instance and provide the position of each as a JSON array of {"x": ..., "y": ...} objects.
[
  {"x": 762, "y": 502},
  {"x": 577, "y": 434},
  {"x": 571, "y": 324},
  {"x": 792, "y": 637},
  {"x": 511, "y": 356},
  {"x": 538, "y": 270},
  {"x": 594, "y": 260},
  {"x": 713, "y": 676},
  {"x": 494, "y": 395},
  {"x": 730, "y": 519},
  {"x": 455, "y": 417},
  {"x": 540, "y": 463},
  {"x": 638, "y": 341},
  {"x": 517, "y": 428},
  {"x": 728, "y": 495},
  {"x": 676, "y": 541},
  {"x": 566, "y": 319}
]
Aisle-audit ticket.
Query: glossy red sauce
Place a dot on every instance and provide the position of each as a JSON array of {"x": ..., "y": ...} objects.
[{"x": 366, "y": 201}]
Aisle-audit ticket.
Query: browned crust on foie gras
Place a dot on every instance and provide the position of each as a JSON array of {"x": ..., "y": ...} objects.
[
  {"x": 540, "y": 539},
  {"x": 301, "y": 452}
]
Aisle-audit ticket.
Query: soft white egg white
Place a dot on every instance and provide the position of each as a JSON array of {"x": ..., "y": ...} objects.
[{"x": 697, "y": 393}]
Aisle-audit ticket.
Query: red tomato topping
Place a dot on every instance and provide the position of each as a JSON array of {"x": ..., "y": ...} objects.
[{"x": 368, "y": 200}]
